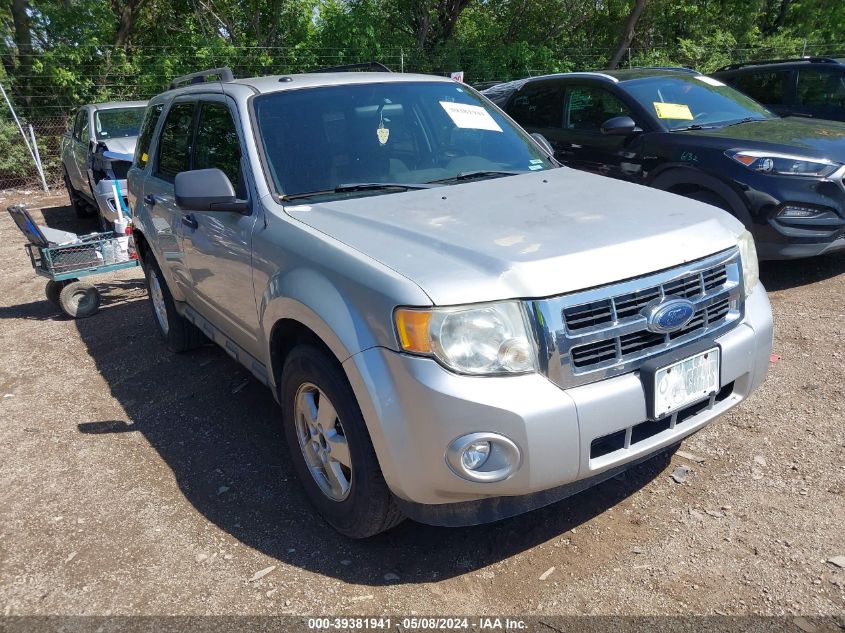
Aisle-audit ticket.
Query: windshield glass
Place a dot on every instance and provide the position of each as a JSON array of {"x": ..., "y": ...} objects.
[
  {"x": 409, "y": 133},
  {"x": 694, "y": 100},
  {"x": 119, "y": 122}
]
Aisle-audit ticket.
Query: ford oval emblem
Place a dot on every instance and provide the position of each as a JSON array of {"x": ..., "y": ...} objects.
[{"x": 669, "y": 315}]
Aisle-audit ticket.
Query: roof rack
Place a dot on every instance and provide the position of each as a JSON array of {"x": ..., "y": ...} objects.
[
  {"x": 222, "y": 74},
  {"x": 681, "y": 69},
  {"x": 345, "y": 68},
  {"x": 812, "y": 60}
]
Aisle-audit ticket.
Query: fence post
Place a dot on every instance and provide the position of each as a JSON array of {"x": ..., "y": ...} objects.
[{"x": 38, "y": 159}]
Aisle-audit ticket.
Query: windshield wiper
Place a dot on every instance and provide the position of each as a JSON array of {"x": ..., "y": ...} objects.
[
  {"x": 481, "y": 173},
  {"x": 694, "y": 126},
  {"x": 360, "y": 186},
  {"x": 747, "y": 119}
]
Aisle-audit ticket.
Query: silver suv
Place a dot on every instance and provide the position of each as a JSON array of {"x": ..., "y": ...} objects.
[
  {"x": 96, "y": 153},
  {"x": 457, "y": 329}
]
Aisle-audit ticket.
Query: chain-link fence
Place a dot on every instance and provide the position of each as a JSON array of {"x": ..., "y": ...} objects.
[{"x": 18, "y": 169}]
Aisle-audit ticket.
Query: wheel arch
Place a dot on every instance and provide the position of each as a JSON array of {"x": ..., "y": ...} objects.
[{"x": 683, "y": 180}]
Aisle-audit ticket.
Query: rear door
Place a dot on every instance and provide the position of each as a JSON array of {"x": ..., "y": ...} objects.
[
  {"x": 172, "y": 155},
  {"x": 218, "y": 245}
]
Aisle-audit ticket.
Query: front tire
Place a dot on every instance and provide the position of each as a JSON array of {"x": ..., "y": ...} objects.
[
  {"x": 331, "y": 448},
  {"x": 179, "y": 334},
  {"x": 79, "y": 299},
  {"x": 79, "y": 206}
]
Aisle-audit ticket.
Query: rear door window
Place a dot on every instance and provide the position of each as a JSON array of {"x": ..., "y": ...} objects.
[
  {"x": 821, "y": 88},
  {"x": 174, "y": 145},
  {"x": 538, "y": 105},
  {"x": 766, "y": 87}
]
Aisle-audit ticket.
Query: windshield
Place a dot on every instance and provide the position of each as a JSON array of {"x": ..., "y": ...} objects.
[
  {"x": 408, "y": 133},
  {"x": 694, "y": 100},
  {"x": 118, "y": 122}
]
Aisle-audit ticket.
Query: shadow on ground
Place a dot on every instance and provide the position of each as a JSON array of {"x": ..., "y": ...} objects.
[
  {"x": 219, "y": 431},
  {"x": 111, "y": 292},
  {"x": 782, "y": 275}
]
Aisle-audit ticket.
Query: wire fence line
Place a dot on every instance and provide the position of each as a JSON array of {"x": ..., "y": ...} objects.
[{"x": 120, "y": 80}]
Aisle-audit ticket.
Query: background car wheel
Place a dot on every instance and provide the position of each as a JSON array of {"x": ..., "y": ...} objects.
[
  {"x": 79, "y": 299},
  {"x": 54, "y": 288},
  {"x": 713, "y": 199},
  {"x": 331, "y": 448},
  {"x": 178, "y": 333},
  {"x": 79, "y": 206}
]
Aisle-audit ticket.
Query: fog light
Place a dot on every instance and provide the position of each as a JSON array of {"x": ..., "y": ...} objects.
[
  {"x": 797, "y": 211},
  {"x": 483, "y": 457},
  {"x": 475, "y": 454}
]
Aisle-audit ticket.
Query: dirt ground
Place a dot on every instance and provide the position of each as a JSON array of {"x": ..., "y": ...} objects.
[{"x": 134, "y": 481}]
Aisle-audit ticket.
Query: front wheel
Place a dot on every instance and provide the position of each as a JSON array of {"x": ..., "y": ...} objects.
[
  {"x": 79, "y": 299},
  {"x": 331, "y": 448},
  {"x": 179, "y": 334}
]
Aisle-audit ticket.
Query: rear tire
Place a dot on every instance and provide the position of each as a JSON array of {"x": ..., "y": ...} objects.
[
  {"x": 179, "y": 334},
  {"x": 319, "y": 409},
  {"x": 52, "y": 291},
  {"x": 79, "y": 299}
]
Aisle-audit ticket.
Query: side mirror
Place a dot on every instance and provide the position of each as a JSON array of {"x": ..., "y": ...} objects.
[
  {"x": 207, "y": 190},
  {"x": 619, "y": 126},
  {"x": 543, "y": 142}
]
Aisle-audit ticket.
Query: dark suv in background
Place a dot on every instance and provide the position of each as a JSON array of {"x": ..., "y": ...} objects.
[
  {"x": 813, "y": 86},
  {"x": 684, "y": 132}
]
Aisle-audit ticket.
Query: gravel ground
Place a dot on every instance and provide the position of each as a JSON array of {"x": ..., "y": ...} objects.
[{"x": 133, "y": 481}]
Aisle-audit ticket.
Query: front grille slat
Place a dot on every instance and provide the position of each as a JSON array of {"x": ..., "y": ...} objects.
[{"x": 608, "y": 320}]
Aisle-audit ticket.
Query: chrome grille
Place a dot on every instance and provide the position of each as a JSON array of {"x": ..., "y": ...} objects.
[{"x": 593, "y": 334}]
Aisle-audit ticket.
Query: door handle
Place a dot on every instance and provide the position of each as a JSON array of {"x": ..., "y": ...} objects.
[
  {"x": 150, "y": 199},
  {"x": 189, "y": 220}
]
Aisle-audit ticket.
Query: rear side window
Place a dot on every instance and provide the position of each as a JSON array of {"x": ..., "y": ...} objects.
[
  {"x": 767, "y": 87},
  {"x": 538, "y": 106},
  {"x": 819, "y": 88},
  {"x": 151, "y": 117},
  {"x": 217, "y": 143},
  {"x": 174, "y": 145}
]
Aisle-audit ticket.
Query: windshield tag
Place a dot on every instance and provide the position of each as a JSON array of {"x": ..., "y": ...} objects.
[
  {"x": 678, "y": 111},
  {"x": 709, "y": 81},
  {"x": 471, "y": 117}
]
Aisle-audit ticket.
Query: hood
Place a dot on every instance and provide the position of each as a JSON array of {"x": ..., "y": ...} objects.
[
  {"x": 123, "y": 145},
  {"x": 824, "y": 139},
  {"x": 528, "y": 236}
]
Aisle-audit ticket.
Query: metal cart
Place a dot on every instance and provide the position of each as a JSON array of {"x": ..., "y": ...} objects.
[{"x": 64, "y": 266}]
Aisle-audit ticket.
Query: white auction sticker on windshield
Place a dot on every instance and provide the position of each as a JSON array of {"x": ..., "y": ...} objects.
[{"x": 470, "y": 116}]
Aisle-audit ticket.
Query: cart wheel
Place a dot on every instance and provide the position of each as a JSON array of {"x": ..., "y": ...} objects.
[
  {"x": 52, "y": 291},
  {"x": 79, "y": 300}
]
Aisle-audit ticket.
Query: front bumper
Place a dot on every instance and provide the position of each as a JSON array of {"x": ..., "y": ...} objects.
[
  {"x": 104, "y": 194},
  {"x": 414, "y": 409}
]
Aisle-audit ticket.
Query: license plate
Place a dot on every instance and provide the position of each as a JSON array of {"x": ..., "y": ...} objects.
[{"x": 686, "y": 382}]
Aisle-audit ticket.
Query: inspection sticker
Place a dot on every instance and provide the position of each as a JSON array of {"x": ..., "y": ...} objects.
[
  {"x": 673, "y": 111},
  {"x": 470, "y": 116}
]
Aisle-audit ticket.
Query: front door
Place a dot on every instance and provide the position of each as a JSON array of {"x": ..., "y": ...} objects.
[
  {"x": 218, "y": 244},
  {"x": 581, "y": 144},
  {"x": 80, "y": 140}
]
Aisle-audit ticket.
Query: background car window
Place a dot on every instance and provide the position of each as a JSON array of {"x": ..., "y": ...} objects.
[
  {"x": 145, "y": 138},
  {"x": 174, "y": 146},
  {"x": 77, "y": 124},
  {"x": 538, "y": 105},
  {"x": 217, "y": 143},
  {"x": 588, "y": 107},
  {"x": 85, "y": 131},
  {"x": 769, "y": 87},
  {"x": 818, "y": 88}
]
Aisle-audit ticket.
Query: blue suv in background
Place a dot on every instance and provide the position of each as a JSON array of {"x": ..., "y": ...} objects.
[{"x": 687, "y": 133}]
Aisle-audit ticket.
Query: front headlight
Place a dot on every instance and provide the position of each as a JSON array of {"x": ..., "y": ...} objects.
[
  {"x": 750, "y": 265},
  {"x": 784, "y": 164},
  {"x": 484, "y": 339}
]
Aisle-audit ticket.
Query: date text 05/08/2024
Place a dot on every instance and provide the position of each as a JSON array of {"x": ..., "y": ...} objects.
[{"x": 425, "y": 623}]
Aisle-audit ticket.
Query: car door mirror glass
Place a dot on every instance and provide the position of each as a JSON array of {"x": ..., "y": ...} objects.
[
  {"x": 543, "y": 142},
  {"x": 207, "y": 190},
  {"x": 619, "y": 126}
]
